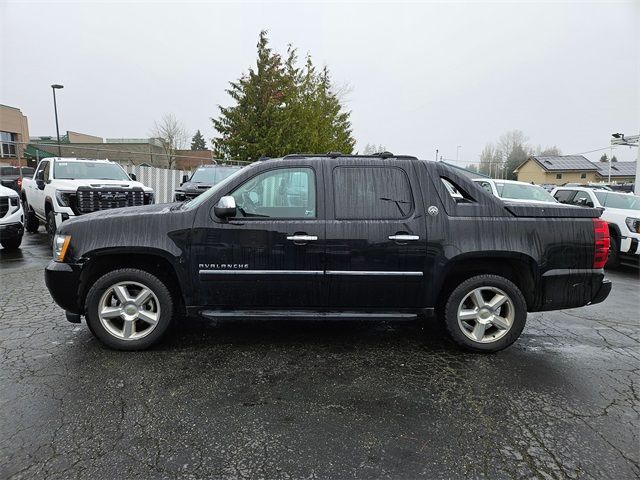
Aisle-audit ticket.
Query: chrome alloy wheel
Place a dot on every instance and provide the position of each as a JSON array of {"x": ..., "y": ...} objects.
[
  {"x": 129, "y": 310},
  {"x": 486, "y": 314}
]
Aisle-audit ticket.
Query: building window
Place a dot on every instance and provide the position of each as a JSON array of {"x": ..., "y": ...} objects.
[
  {"x": 7, "y": 147},
  {"x": 583, "y": 175},
  {"x": 558, "y": 176}
]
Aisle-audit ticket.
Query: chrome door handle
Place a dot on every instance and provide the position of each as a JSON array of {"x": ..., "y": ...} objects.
[
  {"x": 403, "y": 238},
  {"x": 302, "y": 238}
]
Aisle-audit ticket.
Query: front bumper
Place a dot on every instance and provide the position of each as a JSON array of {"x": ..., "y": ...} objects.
[
  {"x": 9, "y": 231},
  {"x": 571, "y": 288},
  {"x": 63, "y": 282}
]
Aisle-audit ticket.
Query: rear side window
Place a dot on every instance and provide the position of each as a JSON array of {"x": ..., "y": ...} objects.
[
  {"x": 564, "y": 196},
  {"x": 371, "y": 193}
]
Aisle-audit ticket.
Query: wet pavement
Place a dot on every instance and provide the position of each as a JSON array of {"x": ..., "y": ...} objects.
[{"x": 307, "y": 399}]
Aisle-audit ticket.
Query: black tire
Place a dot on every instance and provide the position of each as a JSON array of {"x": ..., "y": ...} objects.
[
  {"x": 159, "y": 289},
  {"x": 31, "y": 222},
  {"x": 614, "y": 253},
  {"x": 51, "y": 226},
  {"x": 12, "y": 243},
  {"x": 456, "y": 298}
]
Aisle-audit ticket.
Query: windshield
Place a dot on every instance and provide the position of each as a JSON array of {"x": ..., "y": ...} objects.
[
  {"x": 88, "y": 171},
  {"x": 618, "y": 200},
  {"x": 212, "y": 175},
  {"x": 520, "y": 191},
  {"x": 191, "y": 204}
]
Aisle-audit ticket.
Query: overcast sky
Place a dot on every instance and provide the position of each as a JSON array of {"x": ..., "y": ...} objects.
[{"x": 421, "y": 75}]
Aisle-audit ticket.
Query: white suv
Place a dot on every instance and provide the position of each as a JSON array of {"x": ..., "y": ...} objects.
[
  {"x": 620, "y": 210},
  {"x": 11, "y": 219},
  {"x": 514, "y": 191}
]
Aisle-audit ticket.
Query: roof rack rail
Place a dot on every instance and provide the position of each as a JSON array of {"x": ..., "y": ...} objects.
[{"x": 382, "y": 155}]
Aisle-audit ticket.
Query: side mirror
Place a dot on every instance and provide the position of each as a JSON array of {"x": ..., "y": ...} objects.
[
  {"x": 184, "y": 179},
  {"x": 133, "y": 177},
  {"x": 226, "y": 207},
  {"x": 40, "y": 180}
]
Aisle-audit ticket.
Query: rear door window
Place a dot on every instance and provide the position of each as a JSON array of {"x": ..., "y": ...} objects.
[
  {"x": 371, "y": 193},
  {"x": 582, "y": 199},
  {"x": 564, "y": 196}
]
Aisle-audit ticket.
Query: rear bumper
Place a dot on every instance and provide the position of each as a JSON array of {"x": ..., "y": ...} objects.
[
  {"x": 63, "y": 282},
  {"x": 569, "y": 288}
]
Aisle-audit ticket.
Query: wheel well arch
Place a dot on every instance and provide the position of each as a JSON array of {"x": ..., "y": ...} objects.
[
  {"x": 154, "y": 263},
  {"x": 520, "y": 269},
  {"x": 614, "y": 230},
  {"x": 48, "y": 206}
]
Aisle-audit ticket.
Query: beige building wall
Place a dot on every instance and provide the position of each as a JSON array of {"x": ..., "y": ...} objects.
[
  {"x": 13, "y": 121},
  {"x": 530, "y": 171},
  {"x": 75, "y": 137}
]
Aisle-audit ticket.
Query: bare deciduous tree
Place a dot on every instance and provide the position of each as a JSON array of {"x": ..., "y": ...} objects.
[
  {"x": 171, "y": 132},
  {"x": 372, "y": 148}
]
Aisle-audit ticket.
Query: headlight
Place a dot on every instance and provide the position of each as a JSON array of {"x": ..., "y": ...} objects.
[
  {"x": 63, "y": 198},
  {"x": 60, "y": 246},
  {"x": 14, "y": 202},
  {"x": 633, "y": 224}
]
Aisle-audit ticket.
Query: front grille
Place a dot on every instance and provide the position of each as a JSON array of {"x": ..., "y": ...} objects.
[
  {"x": 91, "y": 200},
  {"x": 4, "y": 206}
]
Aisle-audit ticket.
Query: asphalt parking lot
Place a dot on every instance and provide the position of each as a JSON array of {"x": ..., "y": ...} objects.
[{"x": 306, "y": 399}]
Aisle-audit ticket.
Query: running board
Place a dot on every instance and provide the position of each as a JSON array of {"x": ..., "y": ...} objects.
[{"x": 287, "y": 314}]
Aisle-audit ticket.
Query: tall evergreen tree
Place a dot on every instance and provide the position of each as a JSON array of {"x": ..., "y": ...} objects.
[
  {"x": 198, "y": 142},
  {"x": 281, "y": 108}
]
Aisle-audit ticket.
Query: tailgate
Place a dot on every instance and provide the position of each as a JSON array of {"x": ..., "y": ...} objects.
[{"x": 551, "y": 210}]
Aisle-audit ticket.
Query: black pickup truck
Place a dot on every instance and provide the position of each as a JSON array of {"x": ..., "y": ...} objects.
[{"x": 330, "y": 236}]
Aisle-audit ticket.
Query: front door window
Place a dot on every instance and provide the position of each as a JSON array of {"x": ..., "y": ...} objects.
[{"x": 283, "y": 193}]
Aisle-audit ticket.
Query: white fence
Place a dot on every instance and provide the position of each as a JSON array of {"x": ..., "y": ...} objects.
[{"x": 162, "y": 180}]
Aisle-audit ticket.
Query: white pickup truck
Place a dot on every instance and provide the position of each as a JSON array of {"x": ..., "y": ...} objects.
[
  {"x": 620, "y": 210},
  {"x": 62, "y": 188}
]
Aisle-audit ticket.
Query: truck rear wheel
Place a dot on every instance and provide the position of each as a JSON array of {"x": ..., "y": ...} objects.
[
  {"x": 129, "y": 309},
  {"x": 485, "y": 313}
]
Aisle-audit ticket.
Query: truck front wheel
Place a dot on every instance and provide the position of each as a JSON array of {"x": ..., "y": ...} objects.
[
  {"x": 129, "y": 309},
  {"x": 485, "y": 313}
]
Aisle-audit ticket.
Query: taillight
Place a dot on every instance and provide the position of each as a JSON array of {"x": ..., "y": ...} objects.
[
  {"x": 19, "y": 182},
  {"x": 601, "y": 242}
]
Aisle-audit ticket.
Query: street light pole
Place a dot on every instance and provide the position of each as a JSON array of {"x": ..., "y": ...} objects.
[
  {"x": 633, "y": 141},
  {"x": 55, "y": 87}
]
